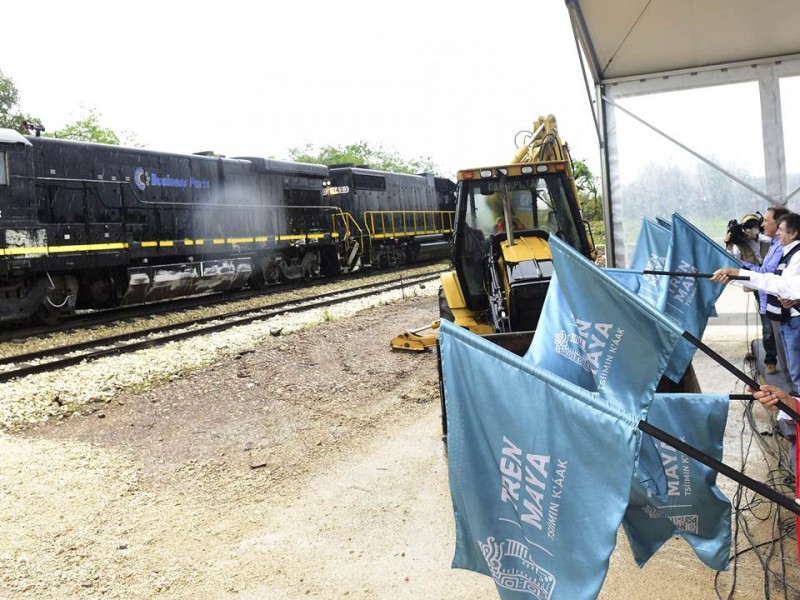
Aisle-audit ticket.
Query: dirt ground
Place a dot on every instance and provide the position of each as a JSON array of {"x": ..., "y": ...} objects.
[{"x": 309, "y": 467}]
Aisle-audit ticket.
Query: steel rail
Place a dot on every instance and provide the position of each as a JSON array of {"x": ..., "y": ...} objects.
[{"x": 191, "y": 328}]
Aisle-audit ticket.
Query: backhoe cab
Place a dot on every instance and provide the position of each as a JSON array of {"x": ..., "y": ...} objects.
[{"x": 504, "y": 218}]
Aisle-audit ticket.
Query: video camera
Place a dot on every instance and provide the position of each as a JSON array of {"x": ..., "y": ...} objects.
[{"x": 736, "y": 230}]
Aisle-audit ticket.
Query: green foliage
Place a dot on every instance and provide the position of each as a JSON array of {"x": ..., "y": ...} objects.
[
  {"x": 11, "y": 116},
  {"x": 87, "y": 129},
  {"x": 591, "y": 200},
  {"x": 598, "y": 232},
  {"x": 588, "y": 193},
  {"x": 9, "y": 102},
  {"x": 362, "y": 153}
]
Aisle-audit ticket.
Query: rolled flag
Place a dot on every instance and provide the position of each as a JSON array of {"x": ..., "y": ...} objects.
[{"x": 650, "y": 254}]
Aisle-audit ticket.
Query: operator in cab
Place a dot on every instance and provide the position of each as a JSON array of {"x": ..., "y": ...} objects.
[{"x": 500, "y": 224}]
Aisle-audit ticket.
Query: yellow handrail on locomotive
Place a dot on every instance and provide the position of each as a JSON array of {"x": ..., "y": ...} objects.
[
  {"x": 381, "y": 224},
  {"x": 346, "y": 220}
]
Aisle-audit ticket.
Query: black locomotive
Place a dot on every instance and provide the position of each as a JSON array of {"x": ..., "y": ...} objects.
[{"x": 92, "y": 226}]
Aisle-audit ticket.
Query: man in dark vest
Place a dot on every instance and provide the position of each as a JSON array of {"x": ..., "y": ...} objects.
[{"x": 783, "y": 289}]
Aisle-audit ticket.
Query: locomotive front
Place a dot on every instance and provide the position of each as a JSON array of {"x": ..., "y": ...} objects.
[
  {"x": 88, "y": 225},
  {"x": 23, "y": 240}
]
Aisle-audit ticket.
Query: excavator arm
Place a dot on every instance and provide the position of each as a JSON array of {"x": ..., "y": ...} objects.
[{"x": 544, "y": 144}]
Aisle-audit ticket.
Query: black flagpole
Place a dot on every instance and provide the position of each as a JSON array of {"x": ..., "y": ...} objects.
[
  {"x": 758, "y": 487},
  {"x": 720, "y": 467},
  {"x": 709, "y": 461},
  {"x": 696, "y": 275},
  {"x": 738, "y": 373},
  {"x": 721, "y": 361}
]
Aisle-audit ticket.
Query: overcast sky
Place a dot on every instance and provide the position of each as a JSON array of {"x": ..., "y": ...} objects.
[{"x": 453, "y": 80}]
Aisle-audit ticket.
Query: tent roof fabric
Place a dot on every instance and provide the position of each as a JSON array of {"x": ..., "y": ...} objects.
[{"x": 625, "y": 39}]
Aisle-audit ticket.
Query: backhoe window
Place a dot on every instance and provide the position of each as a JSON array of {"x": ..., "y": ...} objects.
[
  {"x": 536, "y": 203},
  {"x": 3, "y": 169}
]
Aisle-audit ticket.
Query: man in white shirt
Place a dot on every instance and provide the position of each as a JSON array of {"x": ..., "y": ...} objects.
[
  {"x": 785, "y": 285},
  {"x": 784, "y": 288}
]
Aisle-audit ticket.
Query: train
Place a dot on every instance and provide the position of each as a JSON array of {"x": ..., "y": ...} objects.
[{"x": 92, "y": 226}]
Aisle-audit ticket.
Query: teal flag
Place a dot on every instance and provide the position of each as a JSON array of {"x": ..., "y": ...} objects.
[
  {"x": 650, "y": 254},
  {"x": 598, "y": 334},
  {"x": 539, "y": 472},
  {"x": 667, "y": 223},
  {"x": 689, "y": 301},
  {"x": 674, "y": 495}
]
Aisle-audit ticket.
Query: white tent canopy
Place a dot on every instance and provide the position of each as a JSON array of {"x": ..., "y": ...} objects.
[{"x": 634, "y": 48}]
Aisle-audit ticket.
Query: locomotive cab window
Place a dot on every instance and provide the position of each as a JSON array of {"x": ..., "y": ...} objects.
[{"x": 3, "y": 169}]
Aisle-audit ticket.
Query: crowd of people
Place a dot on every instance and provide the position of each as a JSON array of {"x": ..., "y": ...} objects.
[{"x": 769, "y": 249}]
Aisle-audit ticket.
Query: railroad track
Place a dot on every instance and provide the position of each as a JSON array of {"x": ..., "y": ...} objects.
[
  {"x": 104, "y": 317},
  {"x": 64, "y": 356}
]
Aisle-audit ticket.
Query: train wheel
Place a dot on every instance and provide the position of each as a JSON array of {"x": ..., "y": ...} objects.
[
  {"x": 310, "y": 274},
  {"x": 59, "y": 300},
  {"x": 47, "y": 314},
  {"x": 310, "y": 266},
  {"x": 101, "y": 293},
  {"x": 258, "y": 280}
]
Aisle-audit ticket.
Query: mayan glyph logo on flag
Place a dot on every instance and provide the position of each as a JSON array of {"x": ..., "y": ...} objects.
[
  {"x": 592, "y": 346},
  {"x": 511, "y": 566},
  {"x": 687, "y": 523}
]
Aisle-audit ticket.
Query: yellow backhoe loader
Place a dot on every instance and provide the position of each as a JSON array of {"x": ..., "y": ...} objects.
[{"x": 501, "y": 257}]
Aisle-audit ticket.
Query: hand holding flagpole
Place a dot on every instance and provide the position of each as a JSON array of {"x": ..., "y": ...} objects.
[
  {"x": 772, "y": 397},
  {"x": 743, "y": 377},
  {"x": 723, "y": 276},
  {"x": 719, "y": 276}
]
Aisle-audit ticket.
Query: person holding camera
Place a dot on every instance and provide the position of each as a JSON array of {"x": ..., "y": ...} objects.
[
  {"x": 783, "y": 290},
  {"x": 745, "y": 242}
]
